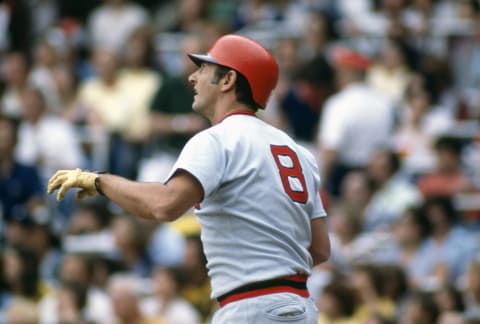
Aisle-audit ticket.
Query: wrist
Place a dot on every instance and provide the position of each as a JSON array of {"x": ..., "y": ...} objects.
[{"x": 98, "y": 186}]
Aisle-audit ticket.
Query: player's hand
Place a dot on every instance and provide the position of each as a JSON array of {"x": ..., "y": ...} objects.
[{"x": 63, "y": 180}]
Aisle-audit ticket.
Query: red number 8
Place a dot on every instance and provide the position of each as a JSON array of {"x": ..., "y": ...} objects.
[{"x": 294, "y": 171}]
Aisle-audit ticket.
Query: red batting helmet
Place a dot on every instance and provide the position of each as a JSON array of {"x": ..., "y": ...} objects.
[{"x": 248, "y": 58}]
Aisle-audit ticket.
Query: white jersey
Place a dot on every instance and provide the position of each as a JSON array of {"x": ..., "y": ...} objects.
[{"x": 260, "y": 195}]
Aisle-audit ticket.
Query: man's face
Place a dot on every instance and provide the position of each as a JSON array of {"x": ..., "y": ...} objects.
[{"x": 205, "y": 89}]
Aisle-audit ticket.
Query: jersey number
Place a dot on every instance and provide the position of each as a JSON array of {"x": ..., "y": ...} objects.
[{"x": 291, "y": 171}]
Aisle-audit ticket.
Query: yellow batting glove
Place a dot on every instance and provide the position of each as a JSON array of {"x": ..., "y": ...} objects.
[{"x": 63, "y": 180}]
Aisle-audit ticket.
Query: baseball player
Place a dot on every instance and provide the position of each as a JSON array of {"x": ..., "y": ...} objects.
[{"x": 254, "y": 189}]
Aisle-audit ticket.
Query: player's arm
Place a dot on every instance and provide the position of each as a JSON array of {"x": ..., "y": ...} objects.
[
  {"x": 156, "y": 201},
  {"x": 320, "y": 247}
]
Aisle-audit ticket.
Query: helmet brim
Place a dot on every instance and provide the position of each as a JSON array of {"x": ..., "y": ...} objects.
[{"x": 201, "y": 58}]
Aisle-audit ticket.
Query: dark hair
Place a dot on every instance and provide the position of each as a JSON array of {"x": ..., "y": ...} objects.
[
  {"x": 28, "y": 278},
  {"x": 419, "y": 218},
  {"x": 79, "y": 290},
  {"x": 242, "y": 87},
  {"x": 14, "y": 122},
  {"x": 395, "y": 280},
  {"x": 455, "y": 296},
  {"x": 427, "y": 305},
  {"x": 448, "y": 143},
  {"x": 344, "y": 296},
  {"x": 445, "y": 203},
  {"x": 374, "y": 275}
]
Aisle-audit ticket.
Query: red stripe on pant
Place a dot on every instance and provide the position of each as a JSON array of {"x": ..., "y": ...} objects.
[{"x": 264, "y": 291}]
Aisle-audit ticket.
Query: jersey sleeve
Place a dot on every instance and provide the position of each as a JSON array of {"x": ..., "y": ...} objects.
[
  {"x": 318, "y": 210},
  {"x": 204, "y": 158}
]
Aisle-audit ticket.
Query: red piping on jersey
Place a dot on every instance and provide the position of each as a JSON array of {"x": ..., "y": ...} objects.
[
  {"x": 255, "y": 292},
  {"x": 239, "y": 112}
]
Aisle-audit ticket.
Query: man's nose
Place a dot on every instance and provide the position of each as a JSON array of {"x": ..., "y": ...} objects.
[{"x": 192, "y": 78}]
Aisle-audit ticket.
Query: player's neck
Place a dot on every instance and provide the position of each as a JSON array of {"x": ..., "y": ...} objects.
[{"x": 232, "y": 109}]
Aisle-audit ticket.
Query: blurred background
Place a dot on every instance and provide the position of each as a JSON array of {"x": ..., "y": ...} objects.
[{"x": 385, "y": 93}]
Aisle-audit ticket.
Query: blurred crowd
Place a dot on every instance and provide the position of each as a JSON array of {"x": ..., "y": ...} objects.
[{"x": 385, "y": 93}]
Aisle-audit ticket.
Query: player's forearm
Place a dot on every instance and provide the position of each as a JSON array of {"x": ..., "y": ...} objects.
[{"x": 137, "y": 198}]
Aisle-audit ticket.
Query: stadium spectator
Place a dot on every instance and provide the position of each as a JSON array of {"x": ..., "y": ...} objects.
[
  {"x": 28, "y": 194},
  {"x": 125, "y": 292},
  {"x": 41, "y": 134},
  {"x": 410, "y": 230},
  {"x": 392, "y": 194},
  {"x": 446, "y": 254},
  {"x": 41, "y": 75},
  {"x": 302, "y": 104},
  {"x": 419, "y": 309},
  {"x": 21, "y": 274},
  {"x": 107, "y": 106},
  {"x": 79, "y": 268},
  {"x": 172, "y": 120},
  {"x": 368, "y": 283},
  {"x": 139, "y": 77},
  {"x": 450, "y": 305},
  {"x": 421, "y": 122},
  {"x": 15, "y": 75},
  {"x": 166, "y": 302},
  {"x": 448, "y": 177},
  {"x": 391, "y": 74},
  {"x": 355, "y": 193},
  {"x": 130, "y": 243},
  {"x": 337, "y": 304},
  {"x": 357, "y": 116},
  {"x": 123, "y": 15},
  {"x": 471, "y": 291}
]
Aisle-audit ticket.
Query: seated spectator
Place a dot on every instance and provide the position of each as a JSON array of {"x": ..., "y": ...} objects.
[
  {"x": 420, "y": 123},
  {"x": 22, "y": 311},
  {"x": 350, "y": 246},
  {"x": 410, "y": 230},
  {"x": 16, "y": 81},
  {"x": 141, "y": 80},
  {"x": 448, "y": 178},
  {"x": 472, "y": 288},
  {"x": 107, "y": 105},
  {"x": 196, "y": 287},
  {"x": 21, "y": 274},
  {"x": 67, "y": 304},
  {"x": 71, "y": 302},
  {"x": 45, "y": 244},
  {"x": 46, "y": 58},
  {"x": 392, "y": 194},
  {"x": 391, "y": 74},
  {"x": 41, "y": 134},
  {"x": 78, "y": 268},
  {"x": 172, "y": 120},
  {"x": 27, "y": 198},
  {"x": 123, "y": 15},
  {"x": 125, "y": 293},
  {"x": 337, "y": 304},
  {"x": 166, "y": 302},
  {"x": 368, "y": 283},
  {"x": 355, "y": 193},
  {"x": 446, "y": 254},
  {"x": 395, "y": 282},
  {"x": 130, "y": 245},
  {"x": 450, "y": 305},
  {"x": 419, "y": 308},
  {"x": 301, "y": 105}
]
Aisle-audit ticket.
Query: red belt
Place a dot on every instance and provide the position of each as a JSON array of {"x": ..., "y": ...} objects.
[{"x": 296, "y": 284}]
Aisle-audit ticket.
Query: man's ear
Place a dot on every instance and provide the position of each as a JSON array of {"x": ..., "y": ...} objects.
[{"x": 228, "y": 81}]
